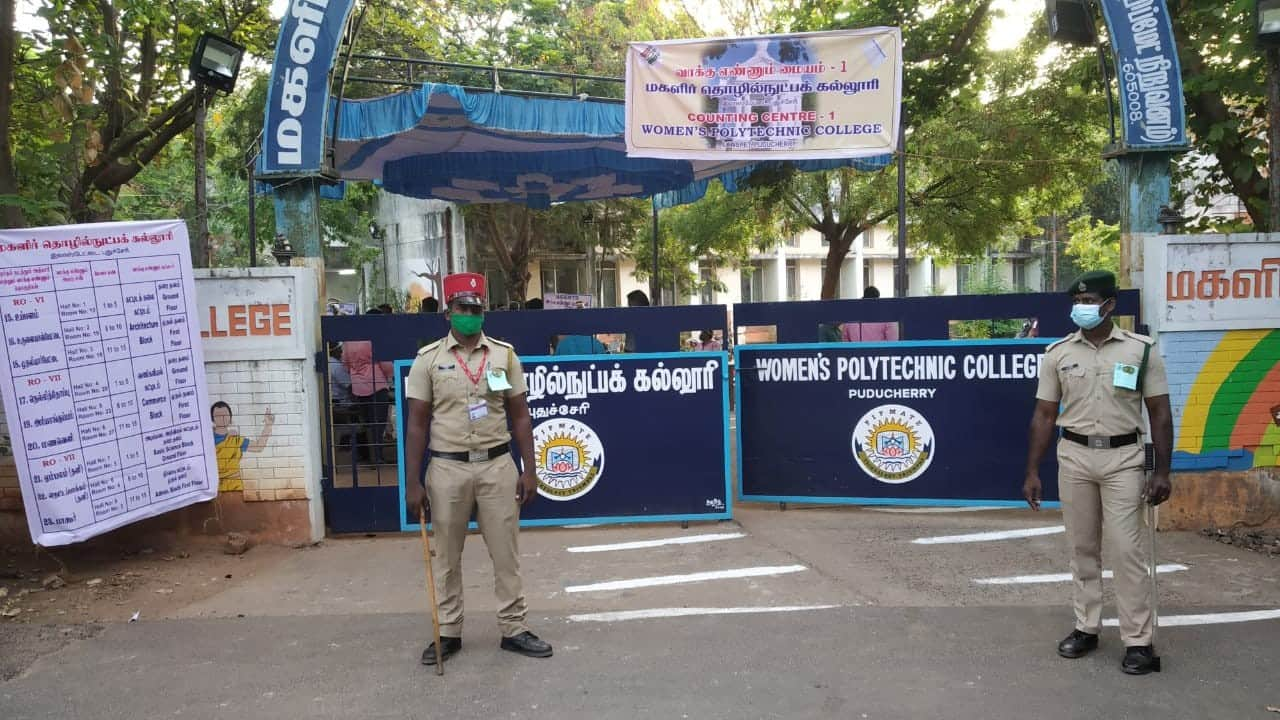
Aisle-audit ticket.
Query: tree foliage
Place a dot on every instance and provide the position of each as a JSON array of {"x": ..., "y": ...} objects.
[
  {"x": 990, "y": 143},
  {"x": 1224, "y": 83},
  {"x": 1094, "y": 245},
  {"x": 99, "y": 95},
  {"x": 720, "y": 230}
]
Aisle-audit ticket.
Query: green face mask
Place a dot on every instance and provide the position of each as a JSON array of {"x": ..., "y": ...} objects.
[{"x": 466, "y": 325}]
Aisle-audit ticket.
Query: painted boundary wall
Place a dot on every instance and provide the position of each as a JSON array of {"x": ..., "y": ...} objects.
[
  {"x": 1214, "y": 301},
  {"x": 259, "y": 328}
]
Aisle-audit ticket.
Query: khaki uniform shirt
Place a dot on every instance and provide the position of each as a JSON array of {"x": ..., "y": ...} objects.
[
  {"x": 1082, "y": 378},
  {"x": 438, "y": 379}
]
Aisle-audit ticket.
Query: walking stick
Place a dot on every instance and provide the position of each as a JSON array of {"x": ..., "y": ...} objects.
[
  {"x": 1153, "y": 519},
  {"x": 431, "y": 589}
]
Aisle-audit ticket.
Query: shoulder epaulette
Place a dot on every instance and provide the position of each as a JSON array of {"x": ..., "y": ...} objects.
[
  {"x": 506, "y": 345},
  {"x": 430, "y": 347},
  {"x": 1056, "y": 343},
  {"x": 1144, "y": 339}
]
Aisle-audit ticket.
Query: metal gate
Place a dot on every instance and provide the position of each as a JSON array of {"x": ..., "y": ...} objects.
[{"x": 361, "y": 474}]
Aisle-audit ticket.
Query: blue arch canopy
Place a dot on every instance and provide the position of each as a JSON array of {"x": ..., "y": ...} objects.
[{"x": 441, "y": 141}]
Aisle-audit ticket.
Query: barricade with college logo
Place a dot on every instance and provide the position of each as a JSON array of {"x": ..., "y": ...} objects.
[
  {"x": 622, "y": 438},
  {"x": 888, "y": 423}
]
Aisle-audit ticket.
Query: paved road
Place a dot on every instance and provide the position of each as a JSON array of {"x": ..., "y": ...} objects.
[{"x": 336, "y": 632}]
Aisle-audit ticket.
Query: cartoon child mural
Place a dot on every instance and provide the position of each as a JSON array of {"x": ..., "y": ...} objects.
[{"x": 230, "y": 446}]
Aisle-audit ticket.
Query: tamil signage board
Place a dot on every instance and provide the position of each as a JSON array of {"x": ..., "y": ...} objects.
[
  {"x": 1212, "y": 282},
  {"x": 253, "y": 314},
  {"x": 920, "y": 422},
  {"x": 805, "y": 96},
  {"x": 627, "y": 438},
  {"x": 1151, "y": 109},
  {"x": 298, "y": 113},
  {"x": 105, "y": 399}
]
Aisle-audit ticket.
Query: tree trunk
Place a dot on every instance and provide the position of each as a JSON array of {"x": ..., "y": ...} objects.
[
  {"x": 838, "y": 244},
  {"x": 10, "y": 215}
]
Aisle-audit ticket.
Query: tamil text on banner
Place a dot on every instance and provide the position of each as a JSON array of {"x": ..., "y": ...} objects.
[
  {"x": 105, "y": 399},
  {"x": 1149, "y": 74},
  {"x": 625, "y": 438},
  {"x": 298, "y": 113},
  {"x": 912, "y": 422},
  {"x": 808, "y": 96}
]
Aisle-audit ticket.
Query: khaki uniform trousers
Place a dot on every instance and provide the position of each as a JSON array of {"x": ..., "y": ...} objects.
[
  {"x": 1102, "y": 489},
  {"x": 455, "y": 488}
]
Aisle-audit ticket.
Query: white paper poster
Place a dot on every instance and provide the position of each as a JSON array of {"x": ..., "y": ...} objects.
[{"x": 106, "y": 400}]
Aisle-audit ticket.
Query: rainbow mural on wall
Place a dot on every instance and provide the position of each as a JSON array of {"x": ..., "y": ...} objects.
[{"x": 1225, "y": 390}]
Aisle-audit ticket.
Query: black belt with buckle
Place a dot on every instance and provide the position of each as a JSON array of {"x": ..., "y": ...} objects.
[
  {"x": 1101, "y": 442},
  {"x": 474, "y": 455}
]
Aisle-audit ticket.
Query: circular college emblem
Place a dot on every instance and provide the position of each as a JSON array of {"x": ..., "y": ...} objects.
[
  {"x": 893, "y": 444},
  {"x": 570, "y": 459}
]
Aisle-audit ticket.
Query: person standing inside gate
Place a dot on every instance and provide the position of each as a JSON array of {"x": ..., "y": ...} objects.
[
  {"x": 1093, "y": 385},
  {"x": 461, "y": 392}
]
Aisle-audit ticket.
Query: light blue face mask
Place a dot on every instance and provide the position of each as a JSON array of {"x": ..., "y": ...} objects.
[{"x": 1086, "y": 316}]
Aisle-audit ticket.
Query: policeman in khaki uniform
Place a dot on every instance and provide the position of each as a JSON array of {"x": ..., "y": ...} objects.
[
  {"x": 461, "y": 391},
  {"x": 1101, "y": 376}
]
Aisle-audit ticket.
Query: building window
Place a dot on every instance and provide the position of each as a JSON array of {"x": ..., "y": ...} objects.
[
  {"x": 608, "y": 285},
  {"x": 560, "y": 276},
  {"x": 867, "y": 276},
  {"x": 935, "y": 278},
  {"x": 793, "y": 281},
  {"x": 753, "y": 282},
  {"x": 793, "y": 241},
  {"x": 868, "y": 239},
  {"x": 962, "y": 278},
  {"x": 707, "y": 283},
  {"x": 1019, "y": 275}
]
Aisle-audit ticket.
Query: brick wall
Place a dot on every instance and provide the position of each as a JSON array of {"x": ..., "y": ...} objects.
[
  {"x": 251, "y": 387},
  {"x": 1185, "y": 356}
]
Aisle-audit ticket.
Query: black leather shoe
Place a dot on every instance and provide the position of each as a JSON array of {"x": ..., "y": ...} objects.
[
  {"x": 1077, "y": 644},
  {"x": 1139, "y": 660},
  {"x": 448, "y": 646},
  {"x": 526, "y": 643}
]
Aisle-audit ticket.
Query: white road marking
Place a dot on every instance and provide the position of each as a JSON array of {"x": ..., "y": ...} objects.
[
  {"x": 1208, "y": 618},
  {"x": 1062, "y": 577},
  {"x": 689, "y": 578},
  {"x": 639, "y": 544},
  {"x": 928, "y": 510},
  {"x": 988, "y": 536},
  {"x": 686, "y": 612}
]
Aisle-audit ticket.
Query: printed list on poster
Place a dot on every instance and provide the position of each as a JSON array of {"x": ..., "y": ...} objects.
[{"x": 105, "y": 384}]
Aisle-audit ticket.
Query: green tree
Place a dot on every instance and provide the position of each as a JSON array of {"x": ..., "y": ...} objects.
[
  {"x": 93, "y": 99},
  {"x": 991, "y": 146},
  {"x": 1224, "y": 84},
  {"x": 720, "y": 230},
  {"x": 1094, "y": 245}
]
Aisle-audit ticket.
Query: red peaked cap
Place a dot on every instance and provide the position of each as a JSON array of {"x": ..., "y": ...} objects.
[{"x": 464, "y": 287}]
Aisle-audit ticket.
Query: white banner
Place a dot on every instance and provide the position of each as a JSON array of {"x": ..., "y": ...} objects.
[
  {"x": 106, "y": 400},
  {"x": 808, "y": 96},
  {"x": 1213, "y": 282}
]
